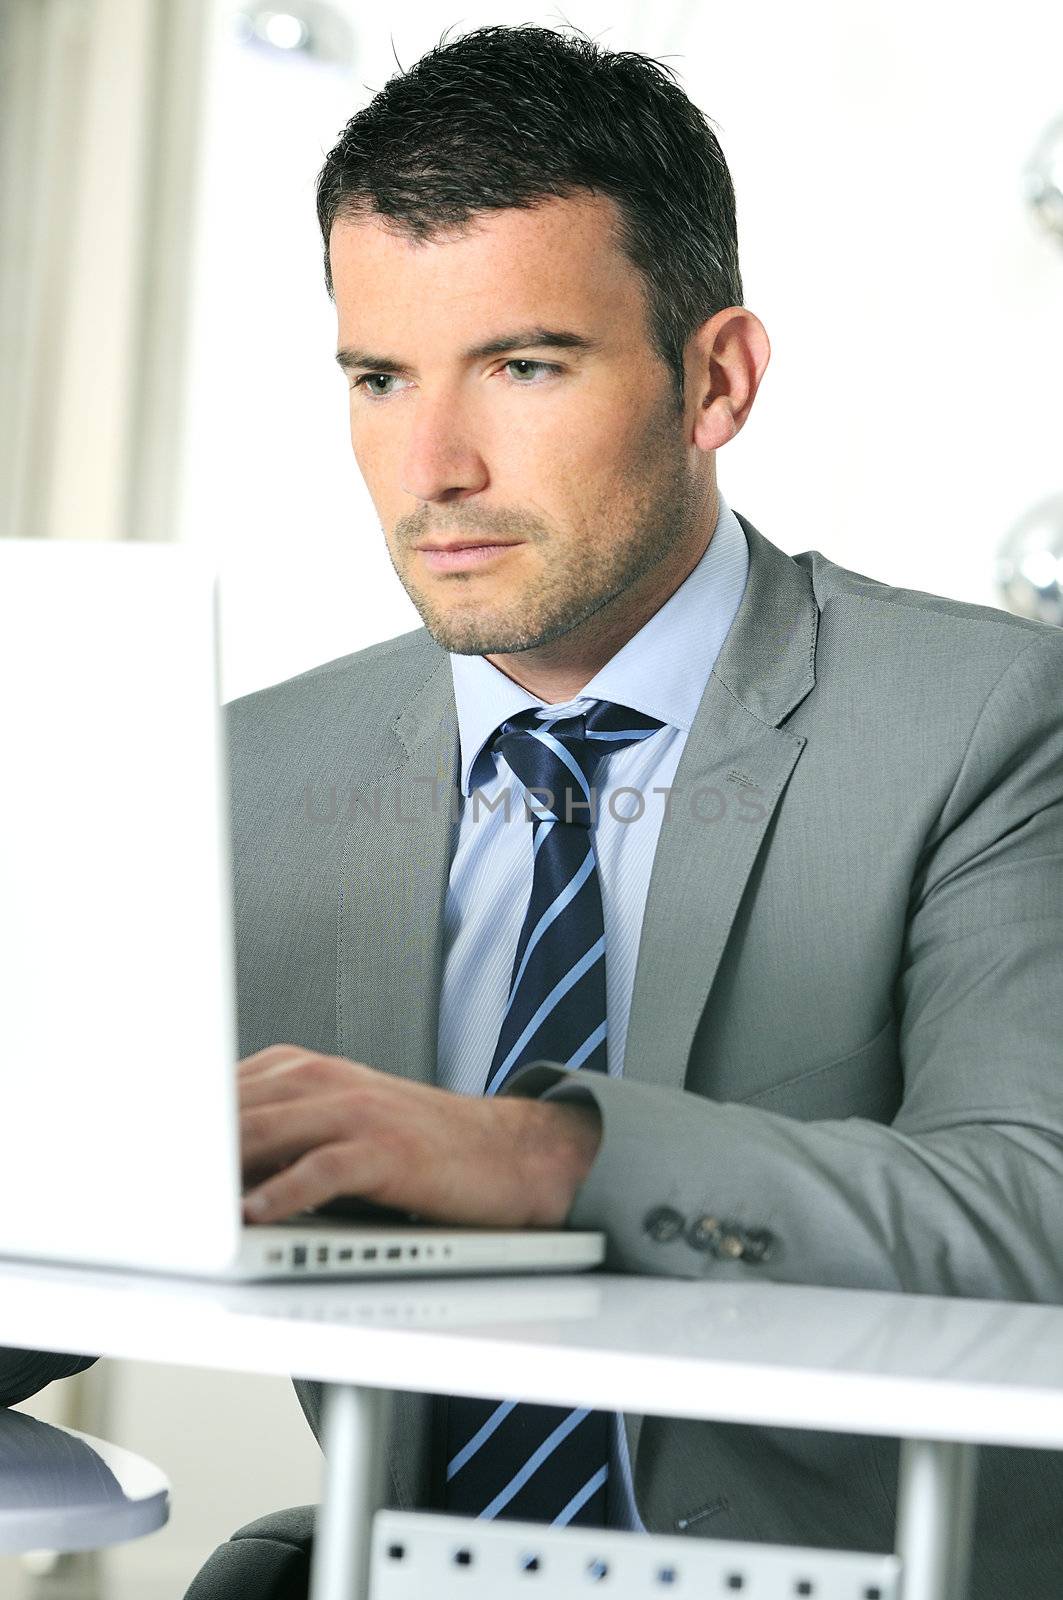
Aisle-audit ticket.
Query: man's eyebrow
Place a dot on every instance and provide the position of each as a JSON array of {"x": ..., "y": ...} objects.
[{"x": 523, "y": 339}]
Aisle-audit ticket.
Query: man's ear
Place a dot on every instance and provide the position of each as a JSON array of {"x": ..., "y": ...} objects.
[{"x": 725, "y": 360}]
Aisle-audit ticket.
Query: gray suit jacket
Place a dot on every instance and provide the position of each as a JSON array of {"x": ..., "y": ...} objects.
[{"x": 846, "y": 1027}]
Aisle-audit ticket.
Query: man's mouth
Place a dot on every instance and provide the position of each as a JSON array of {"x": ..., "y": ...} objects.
[{"x": 458, "y": 556}]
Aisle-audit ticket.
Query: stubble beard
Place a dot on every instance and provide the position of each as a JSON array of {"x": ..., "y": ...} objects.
[{"x": 576, "y": 583}]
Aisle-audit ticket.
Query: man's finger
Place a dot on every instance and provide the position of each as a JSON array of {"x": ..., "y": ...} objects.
[
  {"x": 278, "y": 1060},
  {"x": 320, "y": 1175},
  {"x": 271, "y": 1056},
  {"x": 285, "y": 1135},
  {"x": 278, "y": 1086},
  {"x": 255, "y": 1173}
]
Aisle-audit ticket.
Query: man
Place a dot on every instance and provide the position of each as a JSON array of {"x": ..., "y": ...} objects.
[{"x": 791, "y": 1007}]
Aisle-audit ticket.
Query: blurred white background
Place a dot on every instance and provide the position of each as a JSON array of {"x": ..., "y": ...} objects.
[
  {"x": 909, "y": 415},
  {"x": 909, "y": 412}
]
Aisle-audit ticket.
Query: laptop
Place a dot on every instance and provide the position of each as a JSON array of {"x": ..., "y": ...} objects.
[{"x": 118, "y": 1038}]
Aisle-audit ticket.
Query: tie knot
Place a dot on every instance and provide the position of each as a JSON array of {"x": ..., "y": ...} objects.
[{"x": 556, "y": 758}]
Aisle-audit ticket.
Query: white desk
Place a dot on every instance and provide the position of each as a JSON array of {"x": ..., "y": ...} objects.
[{"x": 952, "y": 1373}]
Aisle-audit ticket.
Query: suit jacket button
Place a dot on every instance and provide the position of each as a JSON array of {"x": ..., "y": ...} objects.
[
  {"x": 758, "y": 1245},
  {"x": 704, "y": 1234},
  {"x": 663, "y": 1223}
]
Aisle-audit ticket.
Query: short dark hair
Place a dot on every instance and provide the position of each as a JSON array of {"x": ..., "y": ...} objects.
[{"x": 506, "y": 117}]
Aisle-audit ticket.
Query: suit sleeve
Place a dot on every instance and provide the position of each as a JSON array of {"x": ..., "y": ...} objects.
[
  {"x": 962, "y": 1194},
  {"x": 26, "y": 1372}
]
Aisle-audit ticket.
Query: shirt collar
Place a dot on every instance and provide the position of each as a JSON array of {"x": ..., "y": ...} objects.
[{"x": 662, "y": 670}]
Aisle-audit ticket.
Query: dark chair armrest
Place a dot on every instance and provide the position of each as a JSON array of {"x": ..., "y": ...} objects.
[{"x": 268, "y": 1559}]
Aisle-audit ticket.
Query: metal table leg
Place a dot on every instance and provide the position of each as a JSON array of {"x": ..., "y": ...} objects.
[
  {"x": 354, "y": 1434},
  {"x": 935, "y": 1518}
]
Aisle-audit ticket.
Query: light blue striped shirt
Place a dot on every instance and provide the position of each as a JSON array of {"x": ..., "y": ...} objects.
[{"x": 662, "y": 670}]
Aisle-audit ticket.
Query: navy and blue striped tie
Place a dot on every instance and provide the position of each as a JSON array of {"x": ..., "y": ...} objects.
[{"x": 504, "y": 1459}]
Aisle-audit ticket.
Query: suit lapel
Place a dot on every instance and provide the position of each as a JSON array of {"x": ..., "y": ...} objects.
[{"x": 734, "y": 767}]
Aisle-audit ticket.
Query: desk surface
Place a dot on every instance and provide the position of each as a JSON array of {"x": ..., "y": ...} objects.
[{"x": 910, "y": 1366}]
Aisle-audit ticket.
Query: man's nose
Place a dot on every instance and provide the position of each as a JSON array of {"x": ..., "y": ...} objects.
[{"x": 442, "y": 456}]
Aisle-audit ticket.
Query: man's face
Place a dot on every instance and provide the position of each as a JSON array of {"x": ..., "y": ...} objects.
[{"x": 571, "y": 463}]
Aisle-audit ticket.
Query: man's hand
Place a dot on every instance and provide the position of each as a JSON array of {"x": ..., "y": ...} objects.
[{"x": 313, "y": 1127}]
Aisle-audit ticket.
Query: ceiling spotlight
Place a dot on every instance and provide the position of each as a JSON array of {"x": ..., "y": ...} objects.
[
  {"x": 283, "y": 30},
  {"x": 308, "y": 28}
]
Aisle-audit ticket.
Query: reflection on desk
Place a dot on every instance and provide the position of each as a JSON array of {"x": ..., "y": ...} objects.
[{"x": 863, "y": 1361}]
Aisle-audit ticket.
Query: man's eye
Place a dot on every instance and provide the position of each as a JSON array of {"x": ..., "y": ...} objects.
[
  {"x": 372, "y": 377},
  {"x": 542, "y": 366}
]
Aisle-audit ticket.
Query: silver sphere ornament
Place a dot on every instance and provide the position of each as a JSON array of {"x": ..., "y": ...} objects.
[
  {"x": 1029, "y": 569},
  {"x": 1042, "y": 180}
]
